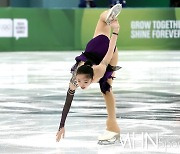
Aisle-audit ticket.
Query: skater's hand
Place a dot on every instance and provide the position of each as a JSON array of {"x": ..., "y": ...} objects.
[
  {"x": 115, "y": 26},
  {"x": 60, "y": 134}
]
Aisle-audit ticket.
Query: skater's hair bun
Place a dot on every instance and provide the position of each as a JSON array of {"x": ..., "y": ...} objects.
[
  {"x": 86, "y": 69},
  {"x": 89, "y": 63}
]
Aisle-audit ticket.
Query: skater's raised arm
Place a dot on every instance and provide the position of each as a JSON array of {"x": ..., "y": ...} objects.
[{"x": 112, "y": 45}]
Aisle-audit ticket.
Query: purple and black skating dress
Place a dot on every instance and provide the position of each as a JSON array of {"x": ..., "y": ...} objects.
[{"x": 95, "y": 51}]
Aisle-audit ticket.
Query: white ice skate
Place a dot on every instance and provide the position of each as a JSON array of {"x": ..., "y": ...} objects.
[
  {"x": 108, "y": 138},
  {"x": 113, "y": 13}
]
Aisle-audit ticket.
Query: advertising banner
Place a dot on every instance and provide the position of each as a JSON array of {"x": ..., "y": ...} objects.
[
  {"x": 23, "y": 29},
  {"x": 141, "y": 29}
]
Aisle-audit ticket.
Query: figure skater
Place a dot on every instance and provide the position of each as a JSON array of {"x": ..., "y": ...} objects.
[{"x": 97, "y": 64}]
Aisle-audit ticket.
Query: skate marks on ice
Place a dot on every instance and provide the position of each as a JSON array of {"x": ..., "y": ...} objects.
[
  {"x": 77, "y": 140},
  {"x": 81, "y": 136}
]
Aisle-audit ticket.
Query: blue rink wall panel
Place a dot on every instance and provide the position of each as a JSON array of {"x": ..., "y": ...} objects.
[{"x": 39, "y": 29}]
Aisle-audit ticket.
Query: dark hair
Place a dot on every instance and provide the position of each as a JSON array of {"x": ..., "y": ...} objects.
[{"x": 86, "y": 69}]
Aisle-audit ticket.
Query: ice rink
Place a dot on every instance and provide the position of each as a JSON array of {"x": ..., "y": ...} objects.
[{"x": 33, "y": 87}]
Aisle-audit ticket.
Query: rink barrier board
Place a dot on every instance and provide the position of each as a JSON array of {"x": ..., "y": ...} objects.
[{"x": 34, "y": 29}]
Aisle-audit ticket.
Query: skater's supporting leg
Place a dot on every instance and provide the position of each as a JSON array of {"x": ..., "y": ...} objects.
[{"x": 111, "y": 122}]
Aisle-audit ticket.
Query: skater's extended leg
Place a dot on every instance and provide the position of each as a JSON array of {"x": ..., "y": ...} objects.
[
  {"x": 102, "y": 27},
  {"x": 105, "y": 19}
]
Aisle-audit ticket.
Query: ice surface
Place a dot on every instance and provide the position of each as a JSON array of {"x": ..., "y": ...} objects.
[{"x": 33, "y": 86}]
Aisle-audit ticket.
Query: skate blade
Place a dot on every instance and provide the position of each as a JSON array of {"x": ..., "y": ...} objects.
[
  {"x": 110, "y": 18},
  {"x": 115, "y": 139},
  {"x": 113, "y": 13}
]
